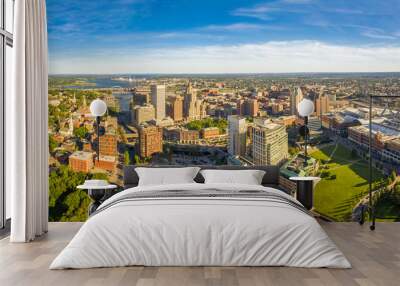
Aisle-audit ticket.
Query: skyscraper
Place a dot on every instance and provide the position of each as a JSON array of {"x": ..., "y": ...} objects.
[
  {"x": 296, "y": 96},
  {"x": 248, "y": 107},
  {"x": 158, "y": 100},
  {"x": 237, "y": 129},
  {"x": 189, "y": 103},
  {"x": 322, "y": 105},
  {"x": 175, "y": 108},
  {"x": 240, "y": 107},
  {"x": 270, "y": 142}
]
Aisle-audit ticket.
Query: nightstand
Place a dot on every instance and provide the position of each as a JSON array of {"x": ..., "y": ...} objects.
[
  {"x": 98, "y": 194},
  {"x": 305, "y": 190}
]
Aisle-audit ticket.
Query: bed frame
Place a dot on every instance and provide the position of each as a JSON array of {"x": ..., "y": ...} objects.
[{"x": 270, "y": 179}]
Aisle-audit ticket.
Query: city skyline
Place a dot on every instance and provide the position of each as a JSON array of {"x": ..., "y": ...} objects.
[{"x": 128, "y": 36}]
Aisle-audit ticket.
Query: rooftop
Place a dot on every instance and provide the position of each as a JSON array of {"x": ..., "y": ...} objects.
[
  {"x": 106, "y": 158},
  {"x": 82, "y": 155},
  {"x": 266, "y": 123},
  {"x": 385, "y": 131}
]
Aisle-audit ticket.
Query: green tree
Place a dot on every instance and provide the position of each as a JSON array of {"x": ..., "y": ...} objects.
[
  {"x": 66, "y": 202},
  {"x": 137, "y": 159},
  {"x": 52, "y": 143},
  {"x": 393, "y": 176},
  {"x": 208, "y": 122},
  {"x": 99, "y": 176},
  {"x": 81, "y": 132},
  {"x": 127, "y": 159}
]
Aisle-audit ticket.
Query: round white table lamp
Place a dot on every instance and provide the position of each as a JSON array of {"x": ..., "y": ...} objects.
[
  {"x": 98, "y": 107},
  {"x": 305, "y": 107}
]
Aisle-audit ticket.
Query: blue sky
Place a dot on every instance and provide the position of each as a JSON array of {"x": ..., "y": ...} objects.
[{"x": 204, "y": 36}]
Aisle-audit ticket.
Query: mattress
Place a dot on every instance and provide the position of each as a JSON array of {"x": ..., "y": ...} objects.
[{"x": 201, "y": 225}]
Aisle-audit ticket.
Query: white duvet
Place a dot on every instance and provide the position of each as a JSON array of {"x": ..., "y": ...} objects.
[{"x": 202, "y": 232}]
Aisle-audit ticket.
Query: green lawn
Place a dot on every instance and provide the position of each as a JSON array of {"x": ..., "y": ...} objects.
[
  {"x": 336, "y": 197},
  {"x": 387, "y": 210}
]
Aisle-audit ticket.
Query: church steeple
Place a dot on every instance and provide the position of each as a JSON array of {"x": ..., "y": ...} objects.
[
  {"x": 189, "y": 88},
  {"x": 71, "y": 126}
]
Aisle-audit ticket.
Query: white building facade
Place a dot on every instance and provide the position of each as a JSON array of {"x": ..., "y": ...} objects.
[
  {"x": 158, "y": 100},
  {"x": 237, "y": 132},
  {"x": 270, "y": 143}
]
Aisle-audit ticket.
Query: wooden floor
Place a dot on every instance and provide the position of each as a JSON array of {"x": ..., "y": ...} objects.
[{"x": 375, "y": 257}]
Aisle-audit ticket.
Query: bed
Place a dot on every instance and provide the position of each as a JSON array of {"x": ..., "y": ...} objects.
[{"x": 198, "y": 224}]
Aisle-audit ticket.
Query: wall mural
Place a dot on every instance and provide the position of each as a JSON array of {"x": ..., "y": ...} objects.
[{"x": 205, "y": 93}]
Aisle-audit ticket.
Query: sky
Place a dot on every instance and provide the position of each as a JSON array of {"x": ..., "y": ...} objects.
[{"x": 223, "y": 36}]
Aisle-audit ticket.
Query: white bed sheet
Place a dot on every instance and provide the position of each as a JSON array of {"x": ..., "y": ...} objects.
[{"x": 200, "y": 232}]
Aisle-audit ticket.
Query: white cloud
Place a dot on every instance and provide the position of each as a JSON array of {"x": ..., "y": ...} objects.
[
  {"x": 265, "y": 10},
  {"x": 234, "y": 27},
  {"x": 375, "y": 35},
  {"x": 345, "y": 11},
  {"x": 259, "y": 12},
  {"x": 286, "y": 56}
]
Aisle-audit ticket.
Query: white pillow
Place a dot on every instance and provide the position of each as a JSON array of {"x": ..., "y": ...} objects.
[
  {"x": 166, "y": 176},
  {"x": 248, "y": 177}
]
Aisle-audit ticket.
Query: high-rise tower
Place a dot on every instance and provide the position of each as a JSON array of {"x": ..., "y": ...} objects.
[
  {"x": 158, "y": 100},
  {"x": 237, "y": 130},
  {"x": 270, "y": 142}
]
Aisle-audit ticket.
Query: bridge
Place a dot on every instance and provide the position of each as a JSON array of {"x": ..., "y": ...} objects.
[{"x": 116, "y": 89}]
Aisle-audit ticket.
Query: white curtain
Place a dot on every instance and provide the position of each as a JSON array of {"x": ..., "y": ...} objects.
[{"x": 26, "y": 124}]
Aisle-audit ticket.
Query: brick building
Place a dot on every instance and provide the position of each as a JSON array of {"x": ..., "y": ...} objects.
[
  {"x": 181, "y": 135},
  {"x": 248, "y": 107},
  {"x": 107, "y": 163},
  {"x": 175, "y": 108},
  {"x": 150, "y": 140},
  {"x": 108, "y": 145},
  {"x": 81, "y": 161},
  {"x": 210, "y": 132}
]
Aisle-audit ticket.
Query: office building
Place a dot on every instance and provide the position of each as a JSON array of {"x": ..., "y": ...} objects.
[
  {"x": 314, "y": 123},
  {"x": 189, "y": 103},
  {"x": 141, "y": 97},
  {"x": 158, "y": 100},
  {"x": 105, "y": 162},
  {"x": 175, "y": 108},
  {"x": 112, "y": 102},
  {"x": 248, "y": 107},
  {"x": 81, "y": 161},
  {"x": 237, "y": 129},
  {"x": 181, "y": 135},
  {"x": 270, "y": 142},
  {"x": 322, "y": 105},
  {"x": 108, "y": 145},
  {"x": 277, "y": 108},
  {"x": 150, "y": 140},
  {"x": 385, "y": 141},
  {"x": 143, "y": 114},
  {"x": 296, "y": 96}
]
